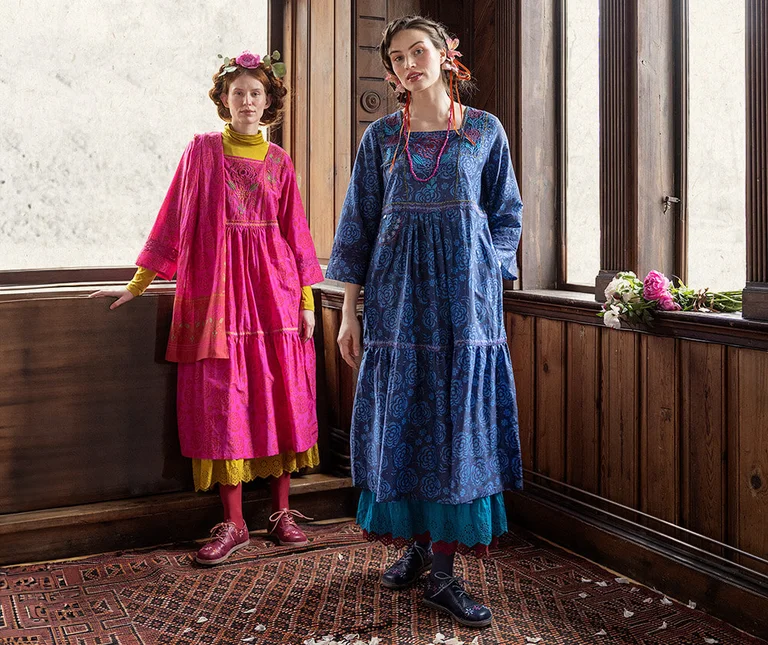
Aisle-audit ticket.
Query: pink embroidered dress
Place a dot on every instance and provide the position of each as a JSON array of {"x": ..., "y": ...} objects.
[{"x": 235, "y": 230}]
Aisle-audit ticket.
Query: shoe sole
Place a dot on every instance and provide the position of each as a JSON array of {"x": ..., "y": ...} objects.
[
  {"x": 394, "y": 587},
  {"x": 463, "y": 621},
  {"x": 237, "y": 547},
  {"x": 281, "y": 543}
]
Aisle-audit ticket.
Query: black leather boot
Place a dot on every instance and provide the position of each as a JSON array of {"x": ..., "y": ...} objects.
[
  {"x": 415, "y": 561},
  {"x": 446, "y": 593}
]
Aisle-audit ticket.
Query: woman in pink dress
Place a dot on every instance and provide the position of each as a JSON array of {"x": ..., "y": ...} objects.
[{"x": 233, "y": 231}]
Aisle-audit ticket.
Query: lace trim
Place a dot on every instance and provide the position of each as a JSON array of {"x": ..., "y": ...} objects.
[{"x": 231, "y": 472}]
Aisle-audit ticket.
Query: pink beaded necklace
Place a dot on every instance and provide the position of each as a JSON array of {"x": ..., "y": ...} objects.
[{"x": 407, "y": 124}]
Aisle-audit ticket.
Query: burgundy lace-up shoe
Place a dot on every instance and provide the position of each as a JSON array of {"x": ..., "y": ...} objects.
[
  {"x": 226, "y": 538},
  {"x": 407, "y": 570},
  {"x": 446, "y": 593},
  {"x": 283, "y": 528}
]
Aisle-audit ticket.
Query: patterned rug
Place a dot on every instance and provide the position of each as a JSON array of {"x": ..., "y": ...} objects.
[{"x": 539, "y": 594}]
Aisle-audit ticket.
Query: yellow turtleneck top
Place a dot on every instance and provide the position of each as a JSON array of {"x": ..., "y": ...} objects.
[{"x": 250, "y": 146}]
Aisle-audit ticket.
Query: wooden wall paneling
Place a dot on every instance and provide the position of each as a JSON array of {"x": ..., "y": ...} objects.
[
  {"x": 400, "y": 8},
  {"x": 373, "y": 98},
  {"x": 483, "y": 62},
  {"x": 87, "y": 411},
  {"x": 659, "y": 428},
  {"x": 733, "y": 419},
  {"x": 280, "y": 36},
  {"x": 748, "y": 453},
  {"x": 521, "y": 337},
  {"x": 299, "y": 104},
  {"x": 703, "y": 440},
  {"x": 343, "y": 113},
  {"x": 322, "y": 121},
  {"x": 583, "y": 411},
  {"x": 550, "y": 398},
  {"x": 331, "y": 320},
  {"x": 321, "y": 387},
  {"x": 537, "y": 165},
  {"x": 457, "y": 18},
  {"x": 619, "y": 477}
]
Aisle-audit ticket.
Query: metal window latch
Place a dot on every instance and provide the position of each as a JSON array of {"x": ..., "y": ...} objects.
[{"x": 668, "y": 199}]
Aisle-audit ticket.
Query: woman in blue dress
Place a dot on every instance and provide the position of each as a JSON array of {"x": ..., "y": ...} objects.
[{"x": 430, "y": 226}]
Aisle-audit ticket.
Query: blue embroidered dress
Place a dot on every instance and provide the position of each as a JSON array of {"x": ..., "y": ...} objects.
[{"x": 434, "y": 429}]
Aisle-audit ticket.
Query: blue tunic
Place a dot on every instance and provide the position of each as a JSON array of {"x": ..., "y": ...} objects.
[{"x": 435, "y": 416}]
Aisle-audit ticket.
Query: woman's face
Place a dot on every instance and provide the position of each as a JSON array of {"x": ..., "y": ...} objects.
[
  {"x": 415, "y": 59},
  {"x": 246, "y": 101}
]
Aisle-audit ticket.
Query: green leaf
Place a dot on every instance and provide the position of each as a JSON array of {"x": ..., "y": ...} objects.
[
  {"x": 219, "y": 56},
  {"x": 279, "y": 69},
  {"x": 266, "y": 60},
  {"x": 275, "y": 55}
]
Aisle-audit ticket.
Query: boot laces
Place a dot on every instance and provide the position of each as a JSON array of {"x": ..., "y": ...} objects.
[
  {"x": 444, "y": 581},
  {"x": 289, "y": 516}
]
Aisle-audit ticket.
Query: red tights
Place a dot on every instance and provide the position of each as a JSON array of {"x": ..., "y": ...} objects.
[{"x": 232, "y": 498}]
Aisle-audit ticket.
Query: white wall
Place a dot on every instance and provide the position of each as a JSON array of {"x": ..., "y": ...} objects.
[
  {"x": 582, "y": 149},
  {"x": 717, "y": 145},
  {"x": 99, "y": 99}
]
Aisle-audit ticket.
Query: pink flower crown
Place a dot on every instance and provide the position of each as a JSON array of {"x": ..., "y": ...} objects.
[{"x": 252, "y": 61}]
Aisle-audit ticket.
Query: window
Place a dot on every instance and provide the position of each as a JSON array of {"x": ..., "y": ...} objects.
[
  {"x": 716, "y": 149},
  {"x": 99, "y": 100},
  {"x": 581, "y": 105}
]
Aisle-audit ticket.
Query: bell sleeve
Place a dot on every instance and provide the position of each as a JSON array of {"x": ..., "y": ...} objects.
[
  {"x": 293, "y": 226},
  {"x": 161, "y": 250},
  {"x": 501, "y": 201}
]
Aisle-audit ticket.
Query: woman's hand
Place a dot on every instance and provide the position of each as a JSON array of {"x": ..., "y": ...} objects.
[
  {"x": 306, "y": 324},
  {"x": 349, "y": 340},
  {"x": 122, "y": 295}
]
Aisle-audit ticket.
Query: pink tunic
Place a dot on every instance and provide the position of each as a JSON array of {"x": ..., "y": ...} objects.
[{"x": 259, "y": 401}]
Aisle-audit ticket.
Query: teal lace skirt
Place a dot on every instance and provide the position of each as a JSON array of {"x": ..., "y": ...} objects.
[{"x": 472, "y": 525}]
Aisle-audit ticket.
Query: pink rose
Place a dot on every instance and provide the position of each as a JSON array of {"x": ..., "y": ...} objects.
[
  {"x": 656, "y": 286},
  {"x": 667, "y": 303},
  {"x": 249, "y": 60}
]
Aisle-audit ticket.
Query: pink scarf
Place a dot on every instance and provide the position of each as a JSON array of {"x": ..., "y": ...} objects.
[{"x": 188, "y": 239}]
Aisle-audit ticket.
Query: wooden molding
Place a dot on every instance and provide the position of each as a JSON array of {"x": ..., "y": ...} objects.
[
  {"x": 156, "y": 519},
  {"x": 602, "y": 280},
  {"x": 726, "y": 329},
  {"x": 755, "y": 303},
  {"x": 30, "y": 277},
  {"x": 756, "y": 292},
  {"x": 757, "y": 141},
  {"x": 618, "y": 135},
  {"x": 528, "y": 53}
]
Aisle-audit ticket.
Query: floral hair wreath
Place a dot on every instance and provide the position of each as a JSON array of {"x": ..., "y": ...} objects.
[{"x": 252, "y": 61}]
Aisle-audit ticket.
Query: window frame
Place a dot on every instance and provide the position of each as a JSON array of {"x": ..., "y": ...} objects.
[{"x": 123, "y": 273}]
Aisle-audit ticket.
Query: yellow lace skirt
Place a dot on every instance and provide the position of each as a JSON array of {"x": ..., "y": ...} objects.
[{"x": 208, "y": 472}]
